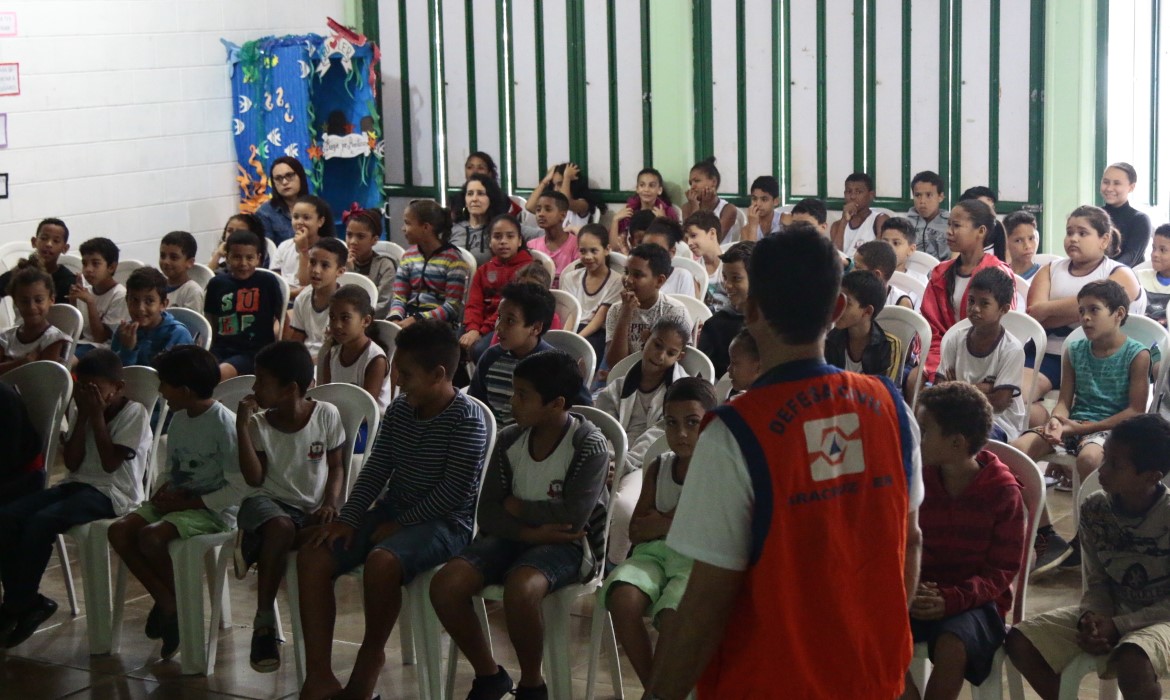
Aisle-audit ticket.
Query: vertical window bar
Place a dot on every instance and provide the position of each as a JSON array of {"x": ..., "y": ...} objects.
[
  {"x": 778, "y": 87},
  {"x": 956, "y": 112},
  {"x": 741, "y": 92},
  {"x": 438, "y": 100},
  {"x": 507, "y": 95},
  {"x": 578, "y": 104},
  {"x": 1102, "y": 84},
  {"x": 404, "y": 61},
  {"x": 1036, "y": 106},
  {"x": 701, "y": 46},
  {"x": 822, "y": 102},
  {"x": 871, "y": 87},
  {"x": 907, "y": 88},
  {"x": 993, "y": 102},
  {"x": 1155, "y": 90},
  {"x": 859, "y": 40},
  {"x": 541, "y": 116},
  {"x": 786, "y": 92},
  {"x": 647, "y": 97},
  {"x": 611, "y": 61},
  {"x": 944, "y": 96},
  {"x": 472, "y": 111}
]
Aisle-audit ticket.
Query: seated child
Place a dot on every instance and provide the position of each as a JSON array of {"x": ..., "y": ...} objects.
[
  {"x": 427, "y": 459},
  {"x": 878, "y": 257},
  {"x": 1022, "y": 241},
  {"x": 989, "y": 357},
  {"x": 974, "y": 541},
  {"x": 150, "y": 329},
  {"x": 31, "y": 289},
  {"x": 716, "y": 334},
  {"x": 309, "y": 318},
  {"x": 509, "y": 254},
  {"x": 813, "y": 212},
  {"x": 534, "y": 273},
  {"x": 432, "y": 275},
  {"x": 744, "y": 369},
  {"x": 98, "y": 295},
  {"x": 196, "y": 499},
  {"x": 899, "y": 232},
  {"x": 50, "y": 241},
  {"x": 1156, "y": 278},
  {"x": 176, "y": 257},
  {"x": 667, "y": 234},
  {"x": 290, "y": 454},
  {"x": 857, "y": 342},
  {"x": 363, "y": 228},
  {"x": 541, "y": 518},
  {"x": 559, "y": 244},
  {"x": 930, "y": 220},
  {"x": 22, "y": 464},
  {"x": 351, "y": 355},
  {"x": 651, "y": 581},
  {"x": 1119, "y": 621},
  {"x": 635, "y": 400},
  {"x": 858, "y": 223},
  {"x": 703, "y": 195},
  {"x": 237, "y": 222},
  {"x": 763, "y": 216},
  {"x": 312, "y": 220},
  {"x": 105, "y": 456},
  {"x": 242, "y": 306},
  {"x": 593, "y": 271},
  {"x": 1104, "y": 380},
  {"x": 702, "y": 236},
  {"x": 524, "y": 314},
  {"x": 629, "y": 321},
  {"x": 648, "y": 196},
  {"x": 639, "y": 222}
]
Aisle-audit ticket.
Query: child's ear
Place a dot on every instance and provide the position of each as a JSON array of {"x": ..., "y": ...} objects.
[
  {"x": 33, "y": 241},
  {"x": 166, "y": 303}
]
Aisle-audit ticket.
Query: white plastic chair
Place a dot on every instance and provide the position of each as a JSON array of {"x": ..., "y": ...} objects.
[
  {"x": 67, "y": 318},
  {"x": 359, "y": 280},
  {"x": 736, "y": 232},
  {"x": 13, "y": 252},
  {"x": 911, "y": 284},
  {"x": 557, "y": 636},
  {"x": 617, "y": 261},
  {"x": 202, "y": 274},
  {"x": 46, "y": 388},
  {"x": 232, "y": 391},
  {"x": 386, "y": 331},
  {"x": 546, "y": 262},
  {"x": 125, "y": 268},
  {"x": 723, "y": 388},
  {"x": 1023, "y": 286},
  {"x": 471, "y": 268},
  {"x": 71, "y": 262},
  {"x": 1032, "y": 481},
  {"x": 697, "y": 311},
  {"x": 270, "y": 249},
  {"x": 1023, "y": 328},
  {"x": 921, "y": 262},
  {"x": 199, "y": 326},
  {"x": 905, "y": 324},
  {"x": 1043, "y": 259},
  {"x": 1147, "y": 265},
  {"x": 697, "y": 269},
  {"x": 568, "y": 308},
  {"x": 392, "y": 249},
  {"x": 695, "y": 362},
  {"x": 578, "y": 347},
  {"x": 285, "y": 294},
  {"x": 103, "y": 621},
  {"x": 526, "y": 217}
]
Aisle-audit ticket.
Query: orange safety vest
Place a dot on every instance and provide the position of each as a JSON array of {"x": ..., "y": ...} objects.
[{"x": 822, "y": 612}]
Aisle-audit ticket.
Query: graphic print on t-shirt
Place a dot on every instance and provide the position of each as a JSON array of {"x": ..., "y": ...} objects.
[
  {"x": 834, "y": 446},
  {"x": 556, "y": 489},
  {"x": 316, "y": 451},
  {"x": 242, "y": 304}
]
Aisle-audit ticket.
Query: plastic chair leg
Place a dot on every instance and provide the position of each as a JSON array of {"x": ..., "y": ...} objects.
[
  {"x": 596, "y": 629},
  {"x": 615, "y": 660},
  {"x": 95, "y": 562},
  {"x": 558, "y": 667},
  {"x": 67, "y": 572},
  {"x": 992, "y": 688},
  {"x": 119, "y": 607},
  {"x": 187, "y": 564},
  {"x": 427, "y": 634},
  {"x": 211, "y": 568},
  {"x": 1078, "y": 668},
  {"x": 406, "y": 638},
  {"x": 292, "y": 585}
]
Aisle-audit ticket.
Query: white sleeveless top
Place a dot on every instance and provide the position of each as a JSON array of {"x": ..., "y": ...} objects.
[
  {"x": 733, "y": 233},
  {"x": 855, "y": 237},
  {"x": 1065, "y": 285},
  {"x": 356, "y": 373},
  {"x": 12, "y": 346},
  {"x": 666, "y": 489}
]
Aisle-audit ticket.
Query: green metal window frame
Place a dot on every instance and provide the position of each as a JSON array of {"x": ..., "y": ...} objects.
[
  {"x": 864, "y": 108},
  {"x": 506, "y": 149}
]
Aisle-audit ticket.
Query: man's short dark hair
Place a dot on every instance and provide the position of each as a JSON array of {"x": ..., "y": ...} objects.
[
  {"x": 1019, "y": 218},
  {"x": 959, "y": 409},
  {"x": 183, "y": 241},
  {"x": 863, "y": 178},
  {"x": 1146, "y": 438},
  {"x": 537, "y": 304},
  {"x": 1108, "y": 291},
  {"x": 692, "y": 389},
  {"x": 53, "y": 221},
  {"x": 103, "y": 247},
  {"x": 929, "y": 177},
  {"x": 430, "y": 343},
  {"x": 336, "y": 247},
  {"x": 245, "y": 238},
  {"x": 811, "y": 206},
  {"x": 794, "y": 279},
  {"x": 289, "y": 362},
  {"x": 641, "y": 220},
  {"x": 902, "y": 225},
  {"x": 553, "y": 373},
  {"x": 705, "y": 220},
  {"x": 100, "y": 363},
  {"x": 147, "y": 278},
  {"x": 666, "y": 226},
  {"x": 879, "y": 255},
  {"x": 995, "y": 282},
  {"x": 766, "y": 184},
  {"x": 979, "y": 191},
  {"x": 558, "y": 198},
  {"x": 866, "y": 288},
  {"x": 739, "y": 252},
  {"x": 656, "y": 257},
  {"x": 188, "y": 366}
]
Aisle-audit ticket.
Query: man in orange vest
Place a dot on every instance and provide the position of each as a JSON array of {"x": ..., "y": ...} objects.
[{"x": 800, "y": 511}]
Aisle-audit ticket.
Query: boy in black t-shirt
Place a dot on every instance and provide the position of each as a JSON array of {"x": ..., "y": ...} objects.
[
  {"x": 243, "y": 306},
  {"x": 51, "y": 241}
]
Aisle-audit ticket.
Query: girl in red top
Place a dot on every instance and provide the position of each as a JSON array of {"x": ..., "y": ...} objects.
[{"x": 509, "y": 254}]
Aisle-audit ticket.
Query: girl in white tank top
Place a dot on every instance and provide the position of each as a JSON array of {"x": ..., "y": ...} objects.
[
  {"x": 350, "y": 355},
  {"x": 704, "y": 185}
]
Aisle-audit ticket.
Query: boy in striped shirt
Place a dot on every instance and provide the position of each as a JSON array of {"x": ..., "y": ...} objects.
[{"x": 427, "y": 459}]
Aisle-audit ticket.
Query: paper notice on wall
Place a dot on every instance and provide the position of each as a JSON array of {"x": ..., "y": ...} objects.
[
  {"x": 348, "y": 146},
  {"x": 7, "y": 24},
  {"x": 9, "y": 79}
]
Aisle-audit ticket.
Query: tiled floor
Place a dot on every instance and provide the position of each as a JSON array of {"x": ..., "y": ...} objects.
[{"x": 55, "y": 662}]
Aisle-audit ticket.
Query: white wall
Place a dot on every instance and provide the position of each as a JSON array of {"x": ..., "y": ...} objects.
[{"x": 123, "y": 125}]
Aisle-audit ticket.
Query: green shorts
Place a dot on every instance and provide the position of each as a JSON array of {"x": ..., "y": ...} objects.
[
  {"x": 656, "y": 570},
  {"x": 189, "y": 523}
]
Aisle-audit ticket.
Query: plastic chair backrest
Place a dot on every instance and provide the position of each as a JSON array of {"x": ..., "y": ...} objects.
[
  {"x": 202, "y": 274},
  {"x": 285, "y": 293},
  {"x": 568, "y": 309},
  {"x": 905, "y": 324},
  {"x": 616, "y": 435},
  {"x": 142, "y": 386},
  {"x": 356, "y": 406},
  {"x": 7, "y": 312},
  {"x": 736, "y": 232},
  {"x": 45, "y": 388},
  {"x": 357, "y": 279},
  {"x": 545, "y": 261},
  {"x": 1022, "y": 327},
  {"x": 387, "y": 331},
  {"x": 656, "y": 448},
  {"x": 526, "y": 217},
  {"x": 1146, "y": 331},
  {"x": 12, "y": 253},
  {"x": 392, "y": 249},
  {"x": 908, "y": 283},
  {"x": 125, "y": 268},
  {"x": 1043, "y": 259},
  {"x": 697, "y": 313},
  {"x": 232, "y": 391},
  {"x": 1033, "y": 493},
  {"x": 471, "y": 268},
  {"x": 617, "y": 261},
  {"x": 622, "y": 368},
  {"x": 578, "y": 347},
  {"x": 695, "y": 362},
  {"x": 921, "y": 262},
  {"x": 270, "y": 247},
  {"x": 1023, "y": 287},
  {"x": 71, "y": 262},
  {"x": 1147, "y": 265},
  {"x": 697, "y": 270},
  {"x": 67, "y": 318},
  {"x": 199, "y": 326},
  {"x": 723, "y": 388}
]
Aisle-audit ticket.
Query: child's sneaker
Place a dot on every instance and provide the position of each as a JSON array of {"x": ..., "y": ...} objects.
[
  {"x": 1074, "y": 558},
  {"x": 491, "y": 687},
  {"x": 30, "y": 620},
  {"x": 265, "y": 655},
  {"x": 1051, "y": 550}
]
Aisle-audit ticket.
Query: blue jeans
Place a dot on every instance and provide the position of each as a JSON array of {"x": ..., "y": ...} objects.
[{"x": 31, "y": 525}]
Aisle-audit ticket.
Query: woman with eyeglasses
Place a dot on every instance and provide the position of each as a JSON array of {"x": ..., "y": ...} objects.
[{"x": 288, "y": 181}]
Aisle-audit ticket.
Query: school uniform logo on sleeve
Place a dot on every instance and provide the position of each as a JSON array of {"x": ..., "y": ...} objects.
[
  {"x": 556, "y": 490},
  {"x": 316, "y": 451},
  {"x": 834, "y": 446}
]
